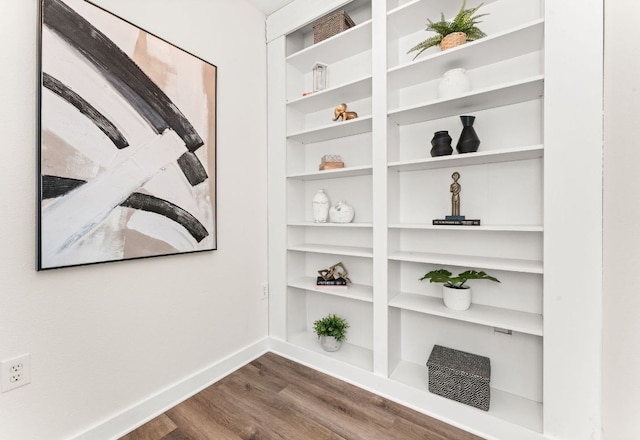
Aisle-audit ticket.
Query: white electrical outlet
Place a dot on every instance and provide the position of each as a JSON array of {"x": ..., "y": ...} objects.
[
  {"x": 15, "y": 372},
  {"x": 265, "y": 290}
]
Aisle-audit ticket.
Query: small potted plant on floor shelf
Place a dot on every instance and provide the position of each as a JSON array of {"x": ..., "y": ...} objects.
[
  {"x": 331, "y": 331},
  {"x": 455, "y": 294},
  {"x": 452, "y": 33}
]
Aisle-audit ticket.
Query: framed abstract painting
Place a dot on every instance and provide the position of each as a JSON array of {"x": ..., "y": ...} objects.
[{"x": 127, "y": 141}]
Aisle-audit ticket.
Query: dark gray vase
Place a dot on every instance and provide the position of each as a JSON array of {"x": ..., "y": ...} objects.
[
  {"x": 441, "y": 144},
  {"x": 469, "y": 141}
]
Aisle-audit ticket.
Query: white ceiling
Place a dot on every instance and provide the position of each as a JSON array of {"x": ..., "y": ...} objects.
[{"x": 269, "y": 6}]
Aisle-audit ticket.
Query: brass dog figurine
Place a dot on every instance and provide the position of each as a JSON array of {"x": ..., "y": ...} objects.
[{"x": 341, "y": 112}]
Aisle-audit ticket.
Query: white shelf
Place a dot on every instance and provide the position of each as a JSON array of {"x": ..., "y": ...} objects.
[
  {"x": 335, "y": 130},
  {"x": 366, "y": 170},
  {"x": 515, "y": 409},
  {"x": 357, "y": 292},
  {"x": 331, "y": 97},
  {"x": 506, "y": 264},
  {"x": 332, "y": 225},
  {"x": 523, "y": 322},
  {"x": 479, "y": 158},
  {"x": 483, "y": 228},
  {"x": 502, "y": 46},
  {"x": 350, "y": 251},
  {"x": 343, "y": 45},
  {"x": 490, "y": 97},
  {"x": 349, "y": 353}
]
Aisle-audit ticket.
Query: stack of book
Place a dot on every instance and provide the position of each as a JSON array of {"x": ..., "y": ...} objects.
[{"x": 337, "y": 283}]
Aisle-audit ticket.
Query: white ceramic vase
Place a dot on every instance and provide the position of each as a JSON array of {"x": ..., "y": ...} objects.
[
  {"x": 329, "y": 343},
  {"x": 320, "y": 206},
  {"x": 456, "y": 299},
  {"x": 454, "y": 82},
  {"x": 341, "y": 212}
]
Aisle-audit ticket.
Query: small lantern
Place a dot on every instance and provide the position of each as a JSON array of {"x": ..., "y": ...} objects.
[{"x": 320, "y": 79}]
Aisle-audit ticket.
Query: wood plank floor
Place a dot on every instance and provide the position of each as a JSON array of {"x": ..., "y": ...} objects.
[{"x": 275, "y": 398}]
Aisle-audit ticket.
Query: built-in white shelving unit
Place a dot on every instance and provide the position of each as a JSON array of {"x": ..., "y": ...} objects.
[{"x": 397, "y": 189}]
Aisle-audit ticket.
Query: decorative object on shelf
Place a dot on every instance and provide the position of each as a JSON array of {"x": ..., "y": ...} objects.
[
  {"x": 341, "y": 112},
  {"x": 336, "y": 275},
  {"x": 469, "y": 140},
  {"x": 320, "y": 77},
  {"x": 334, "y": 278},
  {"x": 331, "y": 24},
  {"x": 341, "y": 212},
  {"x": 93, "y": 207},
  {"x": 460, "y": 376},
  {"x": 456, "y": 219},
  {"x": 455, "y": 294},
  {"x": 331, "y": 162},
  {"x": 441, "y": 144},
  {"x": 452, "y": 33},
  {"x": 331, "y": 331},
  {"x": 321, "y": 206},
  {"x": 454, "y": 82},
  {"x": 455, "y": 189}
]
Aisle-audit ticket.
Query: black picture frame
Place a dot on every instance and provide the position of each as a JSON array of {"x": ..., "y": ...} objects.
[{"x": 127, "y": 144}]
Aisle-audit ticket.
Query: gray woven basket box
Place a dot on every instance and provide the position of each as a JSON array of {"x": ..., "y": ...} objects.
[
  {"x": 460, "y": 376},
  {"x": 330, "y": 25}
]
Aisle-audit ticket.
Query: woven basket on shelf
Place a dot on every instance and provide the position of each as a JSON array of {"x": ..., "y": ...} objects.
[
  {"x": 331, "y": 25},
  {"x": 453, "y": 40}
]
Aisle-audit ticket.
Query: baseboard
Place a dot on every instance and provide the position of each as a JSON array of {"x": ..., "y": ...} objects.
[
  {"x": 146, "y": 410},
  {"x": 463, "y": 417}
]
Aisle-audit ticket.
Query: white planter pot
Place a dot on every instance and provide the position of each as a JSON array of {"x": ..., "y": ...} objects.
[
  {"x": 329, "y": 343},
  {"x": 456, "y": 299}
]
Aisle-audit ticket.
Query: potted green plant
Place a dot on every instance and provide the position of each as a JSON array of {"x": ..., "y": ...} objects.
[
  {"x": 452, "y": 33},
  {"x": 455, "y": 294},
  {"x": 331, "y": 331}
]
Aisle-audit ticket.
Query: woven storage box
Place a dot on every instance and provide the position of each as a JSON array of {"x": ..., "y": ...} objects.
[
  {"x": 460, "y": 376},
  {"x": 331, "y": 25}
]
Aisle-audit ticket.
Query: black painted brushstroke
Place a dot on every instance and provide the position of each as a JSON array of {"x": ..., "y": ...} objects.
[
  {"x": 156, "y": 205},
  {"x": 98, "y": 119},
  {"x": 123, "y": 74},
  {"x": 192, "y": 168},
  {"x": 54, "y": 186}
]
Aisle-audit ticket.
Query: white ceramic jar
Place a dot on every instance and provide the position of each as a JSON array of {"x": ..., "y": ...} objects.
[
  {"x": 341, "y": 213},
  {"x": 320, "y": 206},
  {"x": 454, "y": 82}
]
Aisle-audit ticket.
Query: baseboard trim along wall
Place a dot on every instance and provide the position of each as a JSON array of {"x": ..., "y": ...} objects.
[
  {"x": 146, "y": 410},
  {"x": 473, "y": 420}
]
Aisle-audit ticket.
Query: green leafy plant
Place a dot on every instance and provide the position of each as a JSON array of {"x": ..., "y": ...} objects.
[
  {"x": 457, "y": 282},
  {"x": 332, "y": 325},
  {"x": 465, "y": 21}
]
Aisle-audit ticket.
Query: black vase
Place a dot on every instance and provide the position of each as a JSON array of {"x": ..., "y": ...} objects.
[
  {"x": 441, "y": 143},
  {"x": 469, "y": 141}
]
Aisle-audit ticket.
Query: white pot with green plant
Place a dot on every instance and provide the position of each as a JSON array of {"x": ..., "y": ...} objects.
[
  {"x": 452, "y": 33},
  {"x": 455, "y": 293},
  {"x": 331, "y": 331}
]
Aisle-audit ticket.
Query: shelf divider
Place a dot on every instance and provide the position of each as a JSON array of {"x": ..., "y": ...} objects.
[
  {"x": 481, "y": 99},
  {"x": 506, "y": 264},
  {"x": 357, "y": 292},
  {"x": 349, "y": 353},
  {"x": 523, "y": 322}
]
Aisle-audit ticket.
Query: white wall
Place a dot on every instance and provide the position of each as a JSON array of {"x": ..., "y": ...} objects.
[
  {"x": 105, "y": 337},
  {"x": 621, "y": 385}
]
